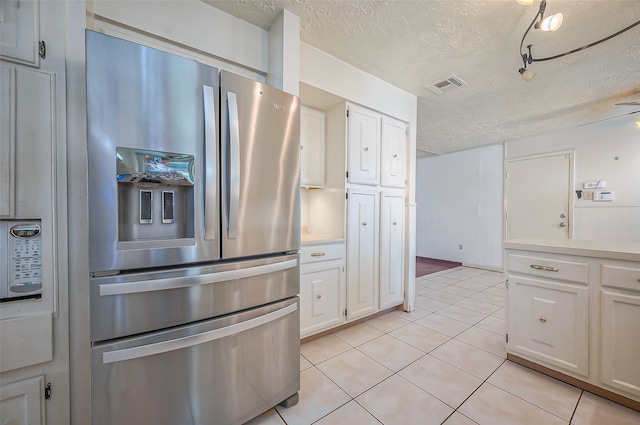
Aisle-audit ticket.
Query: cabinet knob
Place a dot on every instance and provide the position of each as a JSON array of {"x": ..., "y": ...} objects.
[
  {"x": 395, "y": 155},
  {"x": 366, "y": 148},
  {"x": 543, "y": 319},
  {"x": 395, "y": 223},
  {"x": 364, "y": 223},
  {"x": 319, "y": 296},
  {"x": 301, "y": 147}
]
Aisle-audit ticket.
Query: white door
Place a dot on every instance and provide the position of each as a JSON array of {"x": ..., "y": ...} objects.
[
  {"x": 362, "y": 253},
  {"x": 391, "y": 250},
  {"x": 311, "y": 147},
  {"x": 363, "y": 152},
  {"x": 537, "y": 194}
]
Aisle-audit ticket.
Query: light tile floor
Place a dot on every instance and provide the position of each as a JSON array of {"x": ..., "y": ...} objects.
[{"x": 443, "y": 363}]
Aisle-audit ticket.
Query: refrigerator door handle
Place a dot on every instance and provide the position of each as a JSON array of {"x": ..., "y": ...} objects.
[
  {"x": 138, "y": 286},
  {"x": 210, "y": 166},
  {"x": 234, "y": 166},
  {"x": 191, "y": 340}
]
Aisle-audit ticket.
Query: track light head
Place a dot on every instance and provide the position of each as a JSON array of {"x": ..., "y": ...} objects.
[
  {"x": 550, "y": 23},
  {"x": 527, "y": 74}
]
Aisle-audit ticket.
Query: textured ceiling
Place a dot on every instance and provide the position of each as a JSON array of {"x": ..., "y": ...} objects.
[{"x": 414, "y": 43}]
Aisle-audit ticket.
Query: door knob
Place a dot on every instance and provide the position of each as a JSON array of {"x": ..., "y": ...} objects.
[{"x": 563, "y": 224}]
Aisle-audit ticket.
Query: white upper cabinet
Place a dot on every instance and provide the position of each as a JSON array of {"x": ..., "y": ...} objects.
[
  {"x": 312, "y": 147},
  {"x": 363, "y": 146},
  {"x": 394, "y": 145},
  {"x": 20, "y": 31}
]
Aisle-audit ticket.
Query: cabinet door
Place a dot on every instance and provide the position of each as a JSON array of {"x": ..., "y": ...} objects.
[
  {"x": 312, "y": 141},
  {"x": 391, "y": 250},
  {"x": 20, "y": 31},
  {"x": 620, "y": 341},
  {"x": 22, "y": 402},
  {"x": 321, "y": 297},
  {"x": 7, "y": 139},
  {"x": 362, "y": 253},
  {"x": 363, "y": 146},
  {"x": 394, "y": 145},
  {"x": 549, "y": 322}
]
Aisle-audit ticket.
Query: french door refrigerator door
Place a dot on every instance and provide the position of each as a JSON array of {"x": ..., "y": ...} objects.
[
  {"x": 219, "y": 372},
  {"x": 260, "y": 133},
  {"x": 153, "y": 157}
]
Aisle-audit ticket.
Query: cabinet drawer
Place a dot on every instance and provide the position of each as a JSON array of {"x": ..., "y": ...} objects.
[
  {"x": 621, "y": 276},
  {"x": 315, "y": 253},
  {"x": 571, "y": 271}
]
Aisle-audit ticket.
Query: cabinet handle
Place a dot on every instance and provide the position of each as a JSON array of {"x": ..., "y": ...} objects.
[
  {"x": 317, "y": 254},
  {"x": 395, "y": 155},
  {"x": 543, "y": 319},
  {"x": 366, "y": 148},
  {"x": 545, "y": 268},
  {"x": 364, "y": 223},
  {"x": 319, "y": 296}
]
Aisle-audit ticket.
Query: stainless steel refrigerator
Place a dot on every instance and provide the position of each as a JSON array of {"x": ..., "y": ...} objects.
[{"x": 194, "y": 214}]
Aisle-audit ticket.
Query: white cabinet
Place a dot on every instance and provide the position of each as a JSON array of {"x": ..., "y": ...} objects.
[
  {"x": 322, "y": 287},
  {"x": 363, "y": 146},
  {"x": 362, "y": 252},
  {"x": 549, "y": 322},
  {"x": 20, "y": 31},
  {"x": 394, "y": 145},
  {"x": 312, "y": 147},
  {"x": 22, "y": 402},
  {"x": 574, "y": 307},
  {"x": 620, "y": 306},
  {"x": 391, "y": 250}
]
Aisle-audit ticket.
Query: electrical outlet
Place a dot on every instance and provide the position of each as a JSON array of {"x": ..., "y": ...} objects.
[{"x": 587, "y": 195}]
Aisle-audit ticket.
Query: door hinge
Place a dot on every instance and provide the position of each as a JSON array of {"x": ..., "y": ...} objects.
[
  {"x": 345, "y": 312},
  {"x": 42, "y": 49},
  {"x": 346, "y": 196},
  {"x": 47, "y": 391},
  {"x": 506, "y": 175},
  {"x": 506, "y": 283},
  {"x": 347, "y": 174},
  {"x": 347, "y": 112},
  {"x": 506, "y": 337}
]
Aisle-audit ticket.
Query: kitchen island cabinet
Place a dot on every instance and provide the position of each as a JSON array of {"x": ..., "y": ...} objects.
[{"x": 573, "y": 311}]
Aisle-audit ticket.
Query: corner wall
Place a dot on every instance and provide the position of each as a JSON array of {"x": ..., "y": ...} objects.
[{"x": 460, "y": 202}]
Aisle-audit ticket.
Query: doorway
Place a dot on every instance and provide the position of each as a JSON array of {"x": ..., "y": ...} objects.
[{"x": 538, "y": 201}]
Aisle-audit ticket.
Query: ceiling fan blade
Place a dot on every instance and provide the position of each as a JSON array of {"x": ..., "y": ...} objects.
[{"x": 629, "y": 103}]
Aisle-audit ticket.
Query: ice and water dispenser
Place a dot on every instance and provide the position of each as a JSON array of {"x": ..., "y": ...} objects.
[{"x": 155, "y": 195}]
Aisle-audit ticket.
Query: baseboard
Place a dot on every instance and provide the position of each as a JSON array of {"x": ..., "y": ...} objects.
[{"x": 477, "y": 266}]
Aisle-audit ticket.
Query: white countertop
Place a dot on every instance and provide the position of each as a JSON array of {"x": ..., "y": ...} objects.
[
  {"x": 602, "y": 249},
  {"x": 314, "y": 239}
]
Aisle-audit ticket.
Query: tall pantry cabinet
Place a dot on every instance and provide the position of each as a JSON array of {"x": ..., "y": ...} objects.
[
  {"x": 352, "y": 256},
  {"x": 375, "y": 177}
]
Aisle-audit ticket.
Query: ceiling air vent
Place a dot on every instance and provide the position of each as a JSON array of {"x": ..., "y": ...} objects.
[{"x": 445, "y": 85}]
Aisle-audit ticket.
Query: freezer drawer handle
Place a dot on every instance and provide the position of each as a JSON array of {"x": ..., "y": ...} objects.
[
  {"x": 191, "y": 340},
  {"x": 172, "y": 283}
]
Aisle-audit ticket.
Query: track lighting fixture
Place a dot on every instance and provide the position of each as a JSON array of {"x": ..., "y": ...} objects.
[{"x": 551, "y": 23}]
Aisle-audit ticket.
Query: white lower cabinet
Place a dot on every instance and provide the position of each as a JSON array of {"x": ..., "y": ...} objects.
[
  {"x": 362, "y": 252},
  {"x": 22, "y": 402},
  {"x": 621, "y": 341},
  {"x": 549, "y": 321},
  {"x": 322, "y": 288},
  {"x": 391, "y": 250},
  {"x": 577, "y": 313}
]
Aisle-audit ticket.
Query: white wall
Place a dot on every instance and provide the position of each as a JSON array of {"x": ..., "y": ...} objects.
[
  {"x": 607, "y": 151},
  {"x": 460, "y": 202}
]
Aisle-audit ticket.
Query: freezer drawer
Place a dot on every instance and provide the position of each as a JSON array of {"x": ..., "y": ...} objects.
[
  {"x": 136, "y": 303},
  {"x": 218, "y": 372}
]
